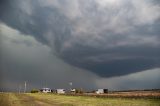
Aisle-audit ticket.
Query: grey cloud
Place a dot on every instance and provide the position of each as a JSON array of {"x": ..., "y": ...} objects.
[
  {"x": 100, "y": 36},
  {"x": 35, "y": 64},
  {"x": 26, "y": 59},
  {"x": 38, "y": 23},
  {"x": 147, "y": 79}
]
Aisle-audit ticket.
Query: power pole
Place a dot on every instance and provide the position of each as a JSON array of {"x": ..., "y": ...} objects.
[
  {"x": 71, "y": 85},
  {"x": 19, "y": 89},
  {"x": 25, "y": 85}
]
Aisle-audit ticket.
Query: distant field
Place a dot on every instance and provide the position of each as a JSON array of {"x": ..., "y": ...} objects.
[
  {"x": 39, "y": 99},
  {"x": 134, "y": 94}
]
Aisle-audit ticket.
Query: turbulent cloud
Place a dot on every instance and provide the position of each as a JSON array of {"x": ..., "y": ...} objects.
[{"x": 106, "y": 37}]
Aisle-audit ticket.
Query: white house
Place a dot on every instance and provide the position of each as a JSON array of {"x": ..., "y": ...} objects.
[
  {"x": 101, "y": 91},
  {"x": 46, "y": 90},
  {"x": 60, "y": 91},
  {"x": 73, "y": 90}
]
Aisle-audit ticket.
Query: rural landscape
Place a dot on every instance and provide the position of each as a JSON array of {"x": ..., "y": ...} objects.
[
  {"x": 79, "y": 52},
  {"x": 130, "y": 98}
]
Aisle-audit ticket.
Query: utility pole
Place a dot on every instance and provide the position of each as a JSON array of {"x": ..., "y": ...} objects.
[
  {"x": 71, "y": 85},
  {"x": 25, "y": 85},
  {"x": 19, "y": 89}
]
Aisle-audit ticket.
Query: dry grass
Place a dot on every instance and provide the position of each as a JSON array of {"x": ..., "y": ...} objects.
[
  {"x": 92, "y": 101},
  {"x": 9, "y": 99},
  {"x": 141, "y": 94},
  {"x": 39, "y": 99}
]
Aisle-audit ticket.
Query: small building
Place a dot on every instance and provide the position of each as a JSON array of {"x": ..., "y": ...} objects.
[
  {"x": 101, "y": 91},
  {"x": 60, "y": 91},
  {"x": 73, "y": 90},
  {"x": 46, "y": 90}
]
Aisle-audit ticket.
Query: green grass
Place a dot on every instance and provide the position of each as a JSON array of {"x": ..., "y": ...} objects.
[{"x": 13, "y": 99}]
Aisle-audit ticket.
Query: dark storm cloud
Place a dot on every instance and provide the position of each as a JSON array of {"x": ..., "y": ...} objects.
[
  {"x": 128, "y": 81},
  {"x": 33, "y": 20},
  {"x": 115, "y": 62},
  {"x": 107, "y": 37},
  {"x": 26, "y": 59}
]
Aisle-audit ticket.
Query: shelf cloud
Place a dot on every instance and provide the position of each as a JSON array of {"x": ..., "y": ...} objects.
[{"x": 103, "y": 39}]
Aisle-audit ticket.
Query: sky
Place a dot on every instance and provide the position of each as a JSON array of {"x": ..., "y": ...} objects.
[{"x": 112, "y": 44}]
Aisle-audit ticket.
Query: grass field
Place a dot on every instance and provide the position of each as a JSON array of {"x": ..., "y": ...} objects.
[{"x": 39, "y": 99}]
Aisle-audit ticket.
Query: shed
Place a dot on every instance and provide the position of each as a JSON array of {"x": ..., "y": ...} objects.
[
  {"x": 101, "y": 91},
  {"x": 60, "y": 91},
  {"x": 46, "y": 90}
]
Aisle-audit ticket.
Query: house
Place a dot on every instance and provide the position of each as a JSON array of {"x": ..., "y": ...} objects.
[
  {"x": 101, "y": 91},
  {"x": 60, "y": 91},
  {"x": 73, "y": 90},
  {"x": 46, "y": 90}
]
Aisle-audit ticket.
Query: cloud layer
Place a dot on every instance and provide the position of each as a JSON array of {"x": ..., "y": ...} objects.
[
  {"x": 101, "y": 38},
  {"x": 25, "y": 59}
]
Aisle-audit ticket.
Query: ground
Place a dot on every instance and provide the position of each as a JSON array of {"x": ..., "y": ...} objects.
[{"x": 40, "y": 99}]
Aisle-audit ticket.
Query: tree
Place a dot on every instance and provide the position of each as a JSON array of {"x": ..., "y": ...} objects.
[{"x": 34, "y": 91}]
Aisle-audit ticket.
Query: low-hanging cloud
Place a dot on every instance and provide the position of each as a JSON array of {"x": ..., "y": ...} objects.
[
  {"x": 107, "y": 38},
  {"x": 147, "y": 79},
  {"x": 25, "y": 59}
]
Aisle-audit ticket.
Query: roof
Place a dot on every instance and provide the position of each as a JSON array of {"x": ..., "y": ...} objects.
[{"x": 46, "y": 88}]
